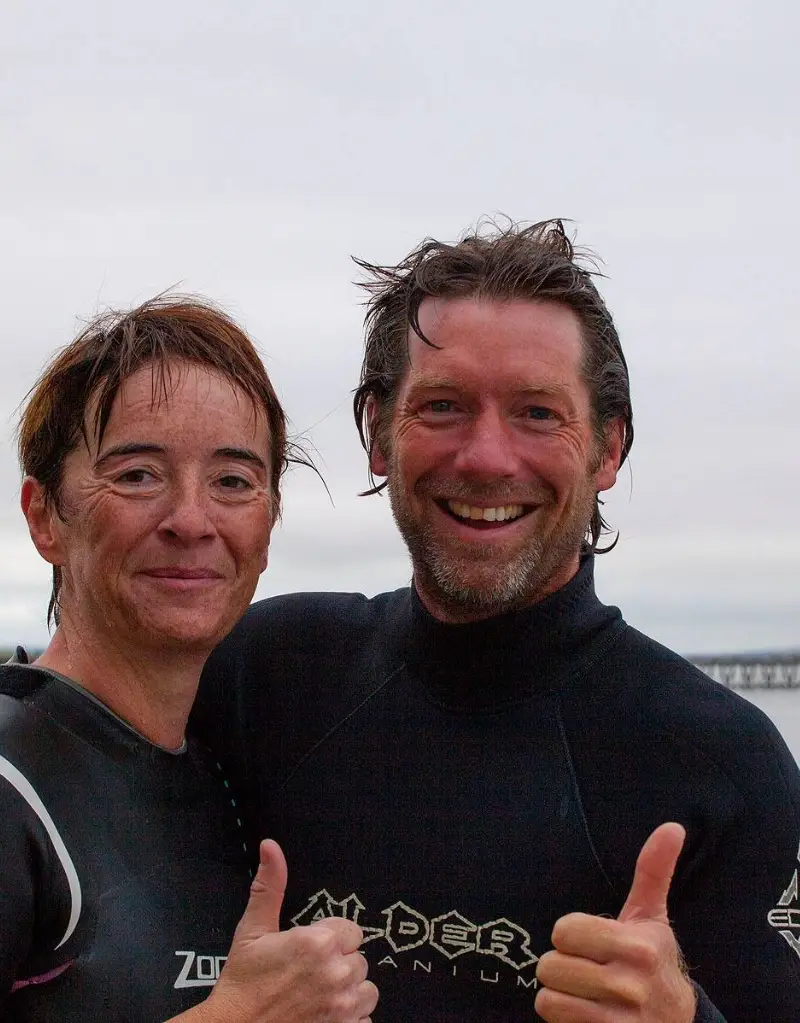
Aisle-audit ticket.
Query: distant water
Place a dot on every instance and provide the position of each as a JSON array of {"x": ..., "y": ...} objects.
[{"x": 783, "y": 706}]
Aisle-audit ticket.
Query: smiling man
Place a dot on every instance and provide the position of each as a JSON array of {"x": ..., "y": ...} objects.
[
  {"x": 532, "y": 810},
  {"x": 493, "y": 476}
]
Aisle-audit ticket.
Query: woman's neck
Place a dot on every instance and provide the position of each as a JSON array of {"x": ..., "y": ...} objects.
[{"x": 152, "y": 691}]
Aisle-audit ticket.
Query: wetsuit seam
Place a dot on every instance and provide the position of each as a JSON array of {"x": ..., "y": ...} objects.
[
  {"x": 339, "y": 724},
  {"x": 64, "y": 730},
  {"x": 578, "y": 799}
]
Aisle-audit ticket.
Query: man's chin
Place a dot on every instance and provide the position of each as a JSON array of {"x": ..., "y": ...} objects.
[{"x": 482, "y": 593}]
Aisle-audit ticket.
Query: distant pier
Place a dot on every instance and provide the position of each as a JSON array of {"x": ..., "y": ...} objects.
[{"x": 753, "y": 671}]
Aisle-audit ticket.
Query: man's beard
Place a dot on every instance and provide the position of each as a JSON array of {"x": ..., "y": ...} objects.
[{"x": 468, "y": 579}]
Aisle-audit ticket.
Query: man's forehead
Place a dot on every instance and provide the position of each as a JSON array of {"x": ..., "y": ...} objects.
[
  {"x": 494, "y": 312},
  {"x": 515, "y": 339}
]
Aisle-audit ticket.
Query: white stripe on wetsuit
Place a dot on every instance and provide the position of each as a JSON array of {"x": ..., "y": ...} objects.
[{"x": 29, "y": 794}]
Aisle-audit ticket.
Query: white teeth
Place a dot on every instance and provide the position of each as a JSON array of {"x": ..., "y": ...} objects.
[{"x": 501, "y": 514}]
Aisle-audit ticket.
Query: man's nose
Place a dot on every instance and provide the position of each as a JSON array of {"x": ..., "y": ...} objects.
[
  {"x": 488, "y": 449},
  {"x": 188, "y": 516}
]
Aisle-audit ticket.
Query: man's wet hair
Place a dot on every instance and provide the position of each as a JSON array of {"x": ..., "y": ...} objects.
[{"x": 499, "y": 263}]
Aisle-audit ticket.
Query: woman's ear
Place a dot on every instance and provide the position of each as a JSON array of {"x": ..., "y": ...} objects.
[{"x": 40, "y": 516}]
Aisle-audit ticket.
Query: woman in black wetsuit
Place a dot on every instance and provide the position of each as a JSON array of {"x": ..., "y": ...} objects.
[{"x": 153, "y": 448}]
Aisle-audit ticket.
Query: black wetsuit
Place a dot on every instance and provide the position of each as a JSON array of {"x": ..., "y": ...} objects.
[
  {"x": 458, "y": 788},
  {"x": 123, "y": 870}
]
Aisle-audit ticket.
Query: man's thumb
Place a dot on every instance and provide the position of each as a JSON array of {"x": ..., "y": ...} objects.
[
  {"x": 262, "y": 915},
  {"x": 647, "y": 899}
]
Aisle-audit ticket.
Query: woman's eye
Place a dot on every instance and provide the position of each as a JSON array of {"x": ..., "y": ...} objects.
[
  {"x": 234, "y": 482},
  {"x": 135, "y": 476}
]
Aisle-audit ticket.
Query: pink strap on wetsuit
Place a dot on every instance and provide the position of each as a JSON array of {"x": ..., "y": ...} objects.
[{"x": 43, "y": 978}]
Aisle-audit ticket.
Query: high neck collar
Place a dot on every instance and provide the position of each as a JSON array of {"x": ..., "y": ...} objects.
[{"x": 486, "y": 664}]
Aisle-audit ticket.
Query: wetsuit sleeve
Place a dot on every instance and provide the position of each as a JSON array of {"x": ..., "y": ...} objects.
[
  {"x": 737, "y": 915},
  {"x": 706, "y": 1012},
  {"x": 17, "y": 884}
]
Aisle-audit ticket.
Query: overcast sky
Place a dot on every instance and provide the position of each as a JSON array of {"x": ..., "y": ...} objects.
[{"x": 246, "y": 150}]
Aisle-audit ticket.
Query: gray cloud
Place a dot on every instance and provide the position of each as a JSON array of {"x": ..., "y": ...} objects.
[{"x": 246, "y": 152}]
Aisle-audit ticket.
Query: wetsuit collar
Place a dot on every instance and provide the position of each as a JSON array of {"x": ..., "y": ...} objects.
[{"x": 481, "y": 665}]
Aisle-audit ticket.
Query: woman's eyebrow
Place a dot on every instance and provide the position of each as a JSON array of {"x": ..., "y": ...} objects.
[
  {"x": 120, "y": 450},
  {"x": 129, "y": 449},
  {"x": 243, "y": 454}
]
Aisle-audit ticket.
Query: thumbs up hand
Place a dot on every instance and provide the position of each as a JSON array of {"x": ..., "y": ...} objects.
[
  {"x": 628, "y": 969},
  {"x": 309, "y": 974}
]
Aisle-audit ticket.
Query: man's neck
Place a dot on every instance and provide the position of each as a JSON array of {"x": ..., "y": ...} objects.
[{"x": 152, "y": 691}]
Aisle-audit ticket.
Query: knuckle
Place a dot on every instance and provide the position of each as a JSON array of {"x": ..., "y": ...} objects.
[
  {"x": 343, "y": 1005},
  {"x": 567, "y": 927},
  {"x": 547, "y": 967},
  {"x": 317, "y": 940},
  {"x": 336, "y": 976},
  {"x": 351, "y": 934},
  {"x": 630, "y": 990},
  {"x": 369, "y": 993},
  {"x": 645, "y": 954},
  {"x": 546, "y": 1003},
  {"x": 359, "y": 966},
  {"x": 345, "y": 932}
]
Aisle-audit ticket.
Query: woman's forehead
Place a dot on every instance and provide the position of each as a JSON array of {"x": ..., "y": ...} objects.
[{"x": 175, "y": 396}]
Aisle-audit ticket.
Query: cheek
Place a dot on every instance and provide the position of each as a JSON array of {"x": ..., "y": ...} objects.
[
  {"x": 248, "y": 538},
  {"x": 419, "y": 451}
]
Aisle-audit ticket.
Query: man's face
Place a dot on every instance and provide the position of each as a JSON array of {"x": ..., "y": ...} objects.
[
  {"x": 166, "y": 522},
  {"x": 492, "y": 462}
]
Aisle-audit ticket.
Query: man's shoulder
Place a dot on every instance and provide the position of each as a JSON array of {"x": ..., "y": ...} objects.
[
  {"x": 305, "y": 631},
  {"x": 663, "y": 690},
  {"x": 322, "y": 612}
]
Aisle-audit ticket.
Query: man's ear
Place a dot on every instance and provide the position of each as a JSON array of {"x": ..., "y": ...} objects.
[
  {"x": 41, "y": 518},
  {"x": 377, "y": 460},
  {"x": 606, "y": 475}
]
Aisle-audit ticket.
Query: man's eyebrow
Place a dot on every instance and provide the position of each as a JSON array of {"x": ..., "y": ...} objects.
[
  {"x": 549, "y": 390},
  {"x": 434, "y": 384},
  {"x": 518, "y": 387}
]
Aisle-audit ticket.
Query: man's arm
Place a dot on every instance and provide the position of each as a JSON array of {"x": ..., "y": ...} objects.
[
  {"x": 736, "y": 912},
  {"x": 734, "y": 909}
]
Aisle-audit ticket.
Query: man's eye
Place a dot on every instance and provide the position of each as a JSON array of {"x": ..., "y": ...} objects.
[
  {"x": 440, "y": 405},
  {"x": 539, "y": 413}
]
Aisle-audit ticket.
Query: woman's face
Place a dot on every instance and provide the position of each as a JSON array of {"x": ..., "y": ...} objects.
[{"x": 166, "y": 523}]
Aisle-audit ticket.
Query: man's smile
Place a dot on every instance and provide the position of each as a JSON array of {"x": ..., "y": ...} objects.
[{"x": 483, "y": 517}]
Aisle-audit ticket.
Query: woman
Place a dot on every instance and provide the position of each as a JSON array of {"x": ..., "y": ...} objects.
[{"x": 152, "y": 449}]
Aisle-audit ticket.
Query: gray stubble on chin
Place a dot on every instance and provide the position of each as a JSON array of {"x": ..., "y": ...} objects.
[{"x": 474, "y": 579}]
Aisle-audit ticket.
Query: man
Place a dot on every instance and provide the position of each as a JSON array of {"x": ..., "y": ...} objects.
[{"x": 490, "y": 771}]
